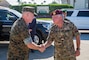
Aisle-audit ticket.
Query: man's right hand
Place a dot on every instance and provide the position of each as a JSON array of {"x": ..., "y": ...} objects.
[{"x": 42, "y": 48}]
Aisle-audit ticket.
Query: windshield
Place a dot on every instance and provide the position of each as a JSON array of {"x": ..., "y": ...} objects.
[{"x": 16, "y": 13}]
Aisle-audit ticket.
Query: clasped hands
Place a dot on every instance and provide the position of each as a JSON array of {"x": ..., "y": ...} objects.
[{"x": 42, "y": 48}]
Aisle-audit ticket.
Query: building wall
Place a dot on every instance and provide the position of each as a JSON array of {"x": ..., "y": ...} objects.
[
  {"x": 88, "y": 4},
  {"x": 77, "y": 4},
  {"x": 65, "y": 1},
  {"x": 72, "y": 2},
  {"x": 4, "y": 3},
  {"x": 80, "y": 4}
]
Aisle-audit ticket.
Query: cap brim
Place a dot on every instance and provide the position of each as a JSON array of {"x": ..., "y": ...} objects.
[{"x": 35, "y": 14}]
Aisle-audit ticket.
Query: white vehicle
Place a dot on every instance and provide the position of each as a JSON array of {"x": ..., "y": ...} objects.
[{"x": 80, "y": 18}]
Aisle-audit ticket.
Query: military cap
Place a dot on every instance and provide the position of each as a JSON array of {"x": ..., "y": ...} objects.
[
  {"x": 56, "y": 12},
  {"x": 29, "y": 9}
]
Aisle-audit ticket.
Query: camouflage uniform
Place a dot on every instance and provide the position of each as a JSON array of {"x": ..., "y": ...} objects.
[
  {"x": 17, "y": 49},
  {"x": 67, "y": 20},
  {"x": 63, "y": 41}
]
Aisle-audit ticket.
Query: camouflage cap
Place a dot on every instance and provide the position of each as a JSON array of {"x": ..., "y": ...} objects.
[{"x": 28, "y": 9}]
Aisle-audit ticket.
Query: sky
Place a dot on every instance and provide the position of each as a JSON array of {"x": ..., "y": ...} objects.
[{"x": 14, "y": 2}]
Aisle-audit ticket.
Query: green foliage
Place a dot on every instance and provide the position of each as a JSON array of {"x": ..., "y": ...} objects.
[
  {"x": 51, "y": 6},
  {"x": 32, "y": 5},
  {"x": 42, "y": 5},
  {"x": 58, "y": 6},
  {"x": 54, "y": 2},
  {"x": 18, "y": 8}
]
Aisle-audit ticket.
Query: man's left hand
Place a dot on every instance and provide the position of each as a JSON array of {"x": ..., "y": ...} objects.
[{"x": 77, "y": 53}]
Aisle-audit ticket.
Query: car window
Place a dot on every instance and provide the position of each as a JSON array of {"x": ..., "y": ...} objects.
[
  {"x": 83, "y": 13},
  {"x": 3, "y": 15},
  {"x": 69, "y": 13},
  {"x": 16, "y": 13},
  {"x": 11, "y": 14}
]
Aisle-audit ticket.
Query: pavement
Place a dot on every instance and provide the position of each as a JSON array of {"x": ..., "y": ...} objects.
[
  {"x": 84, "y": 50},
  {"x": 48, "y": 54}
]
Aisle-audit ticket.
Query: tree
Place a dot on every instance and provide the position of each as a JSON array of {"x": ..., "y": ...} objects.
[
  {"x": 29, "y": 2},
  {"x": 34, "y": 2},
  {"x": 0, "y": 0},
  {"x": 19, "y": 1},
  {"x": 54, "y": 2},
  {"x": 44, "y": 1},
  {"x": 24, "y": 2}
]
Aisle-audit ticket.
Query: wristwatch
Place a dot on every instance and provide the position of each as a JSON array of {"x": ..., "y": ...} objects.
[{"x": 77, "y": 48}]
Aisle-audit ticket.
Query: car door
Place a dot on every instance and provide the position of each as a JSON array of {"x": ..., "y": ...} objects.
[
  {"x": 6, "y": 22},
  {"x": 71, "y": 15},
  {"x": 83, "y": 19}
]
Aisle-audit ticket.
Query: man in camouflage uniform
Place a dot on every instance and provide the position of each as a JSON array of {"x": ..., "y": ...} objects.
[
  {"x": 62, "y": 33},
  {"x": 20, "y": 38}
]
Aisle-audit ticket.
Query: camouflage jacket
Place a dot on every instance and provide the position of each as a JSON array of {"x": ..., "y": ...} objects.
[
  {"x": 63, "y": 40},
  {"x": 17, "y": 49}
]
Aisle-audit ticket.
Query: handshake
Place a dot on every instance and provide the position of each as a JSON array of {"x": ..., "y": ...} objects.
[{"x": 42, "y": 48}]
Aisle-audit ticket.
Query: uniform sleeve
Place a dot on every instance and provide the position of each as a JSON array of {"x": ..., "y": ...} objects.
[
  {"x": 28, "y": 40},
  {"x": 22, "y": 32},
  {"x": 75, "y": 30},
  {"x": 51, "y": 35},
  {"x": 26, "y": 36}
]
